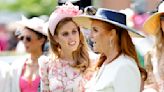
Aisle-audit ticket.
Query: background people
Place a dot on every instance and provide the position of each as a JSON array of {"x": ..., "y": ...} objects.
[
  {"x": 154, "y": 27},
  {"x": 24, "y": 72},
  {"x": 4, "y": 77}
]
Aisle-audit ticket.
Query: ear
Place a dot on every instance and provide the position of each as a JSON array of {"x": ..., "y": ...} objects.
[
  {"x": 113, "y": 33},
  {"x": 42, "y": 40}
]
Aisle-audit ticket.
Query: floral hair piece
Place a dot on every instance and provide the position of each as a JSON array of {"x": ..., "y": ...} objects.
[{"x": 64, "y": 11}]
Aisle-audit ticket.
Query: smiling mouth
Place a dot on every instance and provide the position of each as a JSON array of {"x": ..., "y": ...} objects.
[
  {"x": 94, "y": 43},
  {"x": 72, "y": 43}
]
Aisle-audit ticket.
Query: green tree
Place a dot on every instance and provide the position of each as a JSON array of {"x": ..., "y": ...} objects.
[{"x": 29, "y": 7}]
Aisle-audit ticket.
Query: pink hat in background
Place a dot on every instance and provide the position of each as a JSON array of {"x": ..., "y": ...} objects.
[{"x": 64, "y": 11}]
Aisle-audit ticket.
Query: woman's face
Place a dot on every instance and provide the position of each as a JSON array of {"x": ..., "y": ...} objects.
[
  {"x": 100, "y": 36},
  {"x": 30, "y": 40},
  {"x": 68, "y": 37}
]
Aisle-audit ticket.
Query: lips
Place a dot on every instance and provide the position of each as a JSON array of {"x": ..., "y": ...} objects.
[
  {"x": 72, "y": 43},
  {"x": 94, "y": 43},
  {"x": 26, "y": 47}
]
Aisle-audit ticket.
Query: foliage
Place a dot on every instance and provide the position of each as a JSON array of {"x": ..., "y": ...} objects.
[{"x": 29, "y": 7}]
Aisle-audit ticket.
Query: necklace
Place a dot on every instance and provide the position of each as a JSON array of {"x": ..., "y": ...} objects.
[
  {"x": 107, "y": 62},
  {"x": 31, "y": 63}
]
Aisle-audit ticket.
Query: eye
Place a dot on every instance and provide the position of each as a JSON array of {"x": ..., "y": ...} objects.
[
  {"x": 74, "y": 31},
  {"x": 28, "y": 38},
  {"x": 65, "y": 33},
  {"x": 94, "y": 29},
  {"x": 21, "y": 38}
]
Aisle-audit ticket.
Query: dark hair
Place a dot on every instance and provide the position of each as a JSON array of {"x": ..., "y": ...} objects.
[
  {"x": 40, "y": 36},
  {"x": 90, "y": 10}
]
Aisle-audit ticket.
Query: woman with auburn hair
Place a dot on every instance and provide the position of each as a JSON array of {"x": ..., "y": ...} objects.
[
  {"x": 63, "y": 69},
  {"x": 154, "y": 27},
  {"x": 118, "y": 68}
]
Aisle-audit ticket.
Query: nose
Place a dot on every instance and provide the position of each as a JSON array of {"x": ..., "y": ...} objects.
[
  {"x": 71, "y": 36},
  {"x": 91, "y": 34},
  {"x": 24, "y": 41}
]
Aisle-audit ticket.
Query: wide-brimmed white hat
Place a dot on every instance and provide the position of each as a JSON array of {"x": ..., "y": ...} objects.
[
  {"x": 109, "y": 16},
  {"x": 34, "y": 23},
  {"x": 152, "y": 24}
]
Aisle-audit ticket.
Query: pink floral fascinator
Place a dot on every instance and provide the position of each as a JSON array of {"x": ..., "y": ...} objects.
[{"x": 66, "y": 10}]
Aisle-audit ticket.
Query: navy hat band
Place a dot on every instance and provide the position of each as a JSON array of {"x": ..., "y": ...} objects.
[{"x": 112, "y": 16}]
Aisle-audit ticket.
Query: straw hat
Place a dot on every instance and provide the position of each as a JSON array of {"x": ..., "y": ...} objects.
[
  {"x": 152, "y": 24},
  {"x": 109, "y": 16}
]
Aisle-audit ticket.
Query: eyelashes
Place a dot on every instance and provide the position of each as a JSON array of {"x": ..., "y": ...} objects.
[
  {"x": 94, "y": 29},
  {"x": 27, "y": 38},
  {"x": 73, "y": 32}
]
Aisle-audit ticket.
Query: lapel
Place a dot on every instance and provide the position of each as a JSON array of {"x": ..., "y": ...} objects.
[{"x": 99, "y": 73}]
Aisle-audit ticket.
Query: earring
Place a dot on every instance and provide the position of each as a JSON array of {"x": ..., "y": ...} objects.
[{"x": 110, "y": 42}]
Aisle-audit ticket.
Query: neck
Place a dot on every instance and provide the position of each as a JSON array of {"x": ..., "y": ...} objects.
[
  {"x": 66, "y": 55},
  {"x": 35, "y": 56},
  {"x": 111, "y": 55}
]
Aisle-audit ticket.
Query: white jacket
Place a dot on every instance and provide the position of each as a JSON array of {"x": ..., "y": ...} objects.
[
  {"x": 16, "y": 70},
  {"x": 121, "y": 75},
  {"x": 4, "y": 77}
]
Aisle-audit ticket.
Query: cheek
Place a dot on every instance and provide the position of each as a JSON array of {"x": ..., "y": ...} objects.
[
  {"x": 78, "y": 37},
  {"x": 62, "y": 40},
  {"x": 98, "y": 37},
  {"x": 162, "y": 25}
]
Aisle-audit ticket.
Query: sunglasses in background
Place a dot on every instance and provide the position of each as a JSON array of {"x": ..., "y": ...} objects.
[
  {"x": 162, "y": 17},
  {"x": 26, "y": 38}
]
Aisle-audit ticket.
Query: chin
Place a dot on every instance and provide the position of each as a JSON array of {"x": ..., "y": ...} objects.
[
  {"x": 27, "y": 51},
  {"x": 73, "y": 49},
  {"x": 96, "y": 51}
]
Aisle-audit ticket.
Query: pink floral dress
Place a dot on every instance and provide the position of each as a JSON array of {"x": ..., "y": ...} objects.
[{"x": 59, "y": 76}]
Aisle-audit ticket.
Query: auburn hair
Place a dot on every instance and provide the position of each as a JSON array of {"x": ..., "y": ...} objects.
[{"x": 124, "y": 43}]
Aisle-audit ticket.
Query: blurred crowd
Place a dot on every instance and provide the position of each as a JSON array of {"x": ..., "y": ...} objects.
[{"x": 35, "y": 36}]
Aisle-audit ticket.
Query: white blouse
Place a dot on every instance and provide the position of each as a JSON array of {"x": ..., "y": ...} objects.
[
  {"x": 121, "y": 75},
  {"x": 4, "y": 77}
]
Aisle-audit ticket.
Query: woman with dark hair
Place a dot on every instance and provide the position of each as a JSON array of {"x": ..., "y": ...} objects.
[{"x": 25, "y": 72}]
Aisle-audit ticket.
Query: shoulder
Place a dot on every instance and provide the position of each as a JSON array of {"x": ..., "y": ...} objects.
[
  {"x": 124, "y": 61},
  {"x": 127, "y": 67},
  {"x": 19, "y": 62},
  {"x": 128, "y": 61},
  {"x": 126, "y": 64},
  {"x": 4, "y": 66},
  {"x": 44, "y": 61}
]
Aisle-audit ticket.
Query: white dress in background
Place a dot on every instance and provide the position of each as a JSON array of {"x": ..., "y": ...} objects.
[{"x": 4, "y": 77}]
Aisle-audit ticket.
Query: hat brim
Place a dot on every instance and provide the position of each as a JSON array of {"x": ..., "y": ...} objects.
[
  {"x": 152, "y": 24},
  {"x": 27, "y": 24},
  {"x": 85, "y": 21}
]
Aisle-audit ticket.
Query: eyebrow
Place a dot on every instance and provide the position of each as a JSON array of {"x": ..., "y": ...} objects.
[
  {"x": 94, "y": 27},
  {"x": 162, "y": 17}
]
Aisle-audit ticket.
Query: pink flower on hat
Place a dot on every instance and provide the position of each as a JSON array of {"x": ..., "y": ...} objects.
[{"x": 66, "y": 10}]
